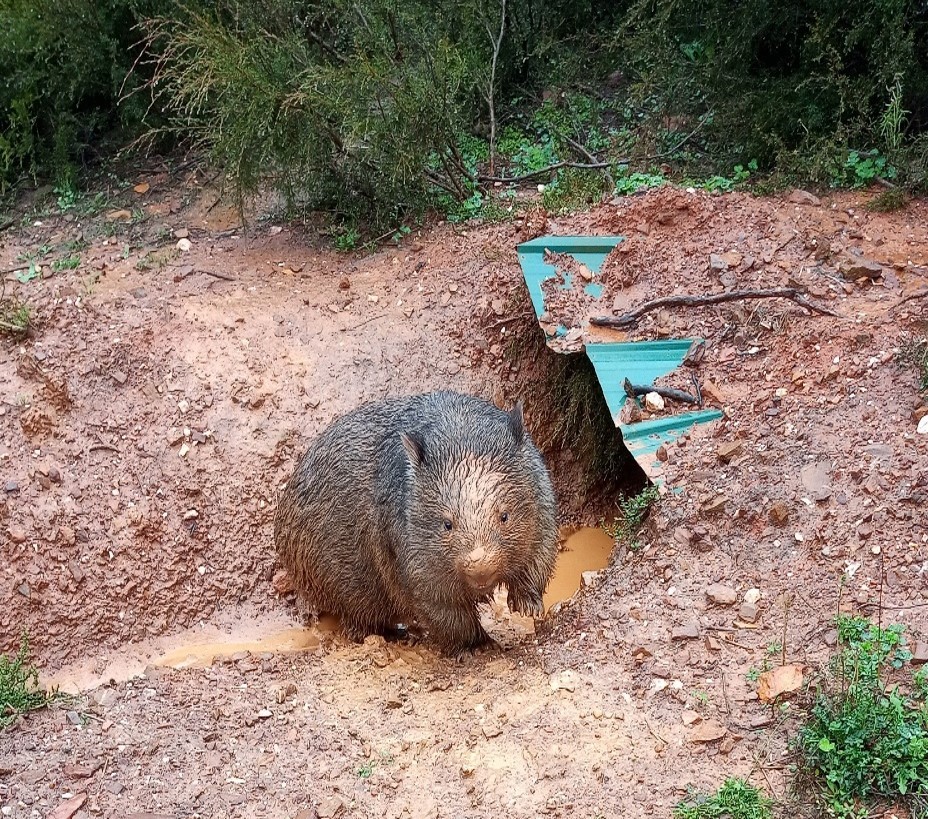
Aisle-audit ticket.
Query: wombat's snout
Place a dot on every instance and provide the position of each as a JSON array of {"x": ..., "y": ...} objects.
[{"x": 482, "y": 570}]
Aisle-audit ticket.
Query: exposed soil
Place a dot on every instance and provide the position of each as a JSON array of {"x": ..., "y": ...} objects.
[{"x": 166, "y": 393}]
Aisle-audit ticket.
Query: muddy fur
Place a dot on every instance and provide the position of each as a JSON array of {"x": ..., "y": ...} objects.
[{"x": 363, "y": 525}]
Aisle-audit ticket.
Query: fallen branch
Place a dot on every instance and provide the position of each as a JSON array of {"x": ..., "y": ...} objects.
[
  {"x": 588, "y": 166},
  {"x": 634, "y": 390},
  {"x": 918, "y": 295},
  {"x": 217, "y": 275},
  {"x": 630, "y": 319}
]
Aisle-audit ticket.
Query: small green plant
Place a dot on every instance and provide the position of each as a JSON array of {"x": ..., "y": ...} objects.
[
  {"x": 632, "y": 513},
  {"x": 887, "y": 201},
  {"x": 866, "y": 739},
  {"x": 753, "y": 674},
  {"x": 15, "y": 318},
  {"x": 572, "y": 190},
  {"x": 702, "y": 697},
  {"x": 348, "y": 239},
  {"x": 634, "y": 182},
  {"x": 736, "y": 799},
  {"x": 366, "y": 770},
  {"x": 66, "y": 196},
  {"x": 67, "y": 263},
  {"x": 19, "y": 685},
  {"x": 914, "y": 353},
  {"x": 863, "y": 167},
  {"x": 32, "y": 272}
]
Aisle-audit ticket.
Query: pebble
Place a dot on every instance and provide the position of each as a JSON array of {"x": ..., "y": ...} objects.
[
  {"x": 265, "y": 713},
  {"x": 17, "y": 534},
  {"x": 690, "y": 631},
  {"x": 11, "y": 487},
  {"x": 730, "y": 450},
  {"x": 181, "y": 233},
  {"x": 653, "y": 402},
  {"x": 330, "y": 807},
  {"x": 747, "y": 612},
  {"x": 721, "y": 595},
  {"x": 779, "y": 514},
  {"x": 922, "y": 428},
  {"x": 183, "y": 245},
  {"x": 752, "y": 596}
]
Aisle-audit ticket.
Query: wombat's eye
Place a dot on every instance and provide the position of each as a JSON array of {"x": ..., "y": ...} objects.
[
  {"x": 504, "y": 517},
  {"x": 448, "y": 525}
]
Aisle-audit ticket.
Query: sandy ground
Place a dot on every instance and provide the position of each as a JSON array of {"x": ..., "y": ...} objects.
[{"x": 166, "y": 393}]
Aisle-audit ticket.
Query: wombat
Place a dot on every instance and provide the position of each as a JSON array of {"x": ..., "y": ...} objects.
[{"x": 414, "y": 510}]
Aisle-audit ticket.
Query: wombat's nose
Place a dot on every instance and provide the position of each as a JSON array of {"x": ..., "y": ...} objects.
[{"x": 481, "y": 570}]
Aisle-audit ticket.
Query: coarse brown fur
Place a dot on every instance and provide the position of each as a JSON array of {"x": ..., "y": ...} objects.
[{"x": 413, "y": 510}]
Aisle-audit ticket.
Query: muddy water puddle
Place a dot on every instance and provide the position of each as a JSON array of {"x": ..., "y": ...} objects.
[
  {"x": 586, "y": 550},
  {"x": 237, "y": 633},
  {"x": 198, "y": 647}
]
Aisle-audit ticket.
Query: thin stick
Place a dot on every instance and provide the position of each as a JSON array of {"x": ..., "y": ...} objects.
[
  {"x": 583, "y": 151},
  {"x": 630, "y": 319},
  {"x": 919, "y": 295},
  {"x": 216, "y": 275},
  {"x": 497, "y": 42},
  {"x": 589, "y": 166}
]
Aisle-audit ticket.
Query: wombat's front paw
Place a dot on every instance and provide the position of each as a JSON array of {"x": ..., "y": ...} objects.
[{"x": 528, "y": 603}]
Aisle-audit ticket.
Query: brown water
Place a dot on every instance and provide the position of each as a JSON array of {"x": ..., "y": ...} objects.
[
  {"x": 238, "y": 631},
  {"x": 586, "y": 550}
]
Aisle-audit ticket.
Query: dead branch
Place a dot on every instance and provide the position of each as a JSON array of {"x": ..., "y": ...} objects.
[
  {"x": 497, "y": 42},
  {"x": 587, "y": 166},
  {"x": 634, "y": 390},
  {"x": 920, "y": 294},
  {"x": 630, "y": 319}
]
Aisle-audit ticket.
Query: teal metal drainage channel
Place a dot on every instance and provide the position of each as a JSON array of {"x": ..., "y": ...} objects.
[{"x": 641, "y": 362}]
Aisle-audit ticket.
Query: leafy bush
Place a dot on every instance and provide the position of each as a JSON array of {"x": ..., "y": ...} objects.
[
  {"x": 794, "y": 84},
  {"x": 865, "y": 738},
  {"x": 63, "y": 64}
]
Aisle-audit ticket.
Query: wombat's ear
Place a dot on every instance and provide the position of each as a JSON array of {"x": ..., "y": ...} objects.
[
  {"x": 516, "y": 423},
  {"x": 414, "y": 446}
]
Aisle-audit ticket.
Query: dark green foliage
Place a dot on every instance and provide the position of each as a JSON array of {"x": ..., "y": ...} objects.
[
  {"x": 62, "y": 64},
  {"x": 793, "y": 84},
  {"x": 736, "y": 799},
  {"x": 865, "y": 738},
  {"x": 19, "y": 685},
  {"x": 914, "y": 353}
]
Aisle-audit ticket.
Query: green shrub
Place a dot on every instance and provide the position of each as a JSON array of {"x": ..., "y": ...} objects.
[
  {"x": 19, "y": 685},
  {"x": 866, "y": 739},
  {"x": 736, "y": 799},
  {"x": 63, "y": 63}
]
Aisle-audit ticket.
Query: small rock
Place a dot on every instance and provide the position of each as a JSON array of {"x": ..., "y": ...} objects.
[
  {"x": 118, "y": 376},
  {"x": 68, "y": 808},
  {"x": 690, "y": 631},
  {"x": 920, "y": 653},
  {"x": 282, "y": 691},
  {"x": 801, "y": 197},
  {"x": 717, "y": 263},
  {"x": 716, "y": 504},
  {"x": 861, "y": 269},
  {"x": 721, "y": 595},
  {"x": 779, "y": 514},
  {"x": 691, "y": 717},
  {"x": 331, "y": 807},
  {"x": 12, "y": 487},
  {"x": 922, "y": 428},
  {"x": 491, "y": 729},
  {"x": 589, "y": 578},
  {"x": 566, "y": 680},
  {"x": 784, "y": 679},
  {"x": 114, "y": 787},
  {"x": 816, "y": 478},
  {"x": 17, "y": 534},
  {"x": 712, "y": 392},
  {"x": 653, "y": 402},
  {"x": 183, "y": 245},
  {"x": 661, "y": 453},
  {"x": 708, "y": 731},
  {"x": 730, "y": 450},
  {"x": 682, "y": 536},
  {"x": 919, "y": 413},
  {"x": 121, "y": 215},
  {"x": 748, "y": 612},
  {"x": 752, "y": 596},
  {"x": 181, "y": 233},
  {"x": 265, "y": 713},
  {"x": 282, "y": 583}
]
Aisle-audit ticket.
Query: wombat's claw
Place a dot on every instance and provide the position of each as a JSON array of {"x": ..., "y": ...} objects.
[{"x": 531, "y": 606}]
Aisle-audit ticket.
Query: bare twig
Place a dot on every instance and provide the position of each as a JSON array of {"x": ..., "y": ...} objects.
[
  {"x": 584, "y": 152},
  {"x": 216, "y": 275},
  {"x": 920, "y": 294},
  {"x": 108, "y": 447},
  {"x": 497, "y": 42},
  {"x": 630, "y": 319},
  {"x": 589, "y": 166},
  {"x": 705, "y": 118},
  {"x": 634, "y": 390},
  {"x": 508, "y": 319}
]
